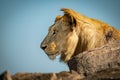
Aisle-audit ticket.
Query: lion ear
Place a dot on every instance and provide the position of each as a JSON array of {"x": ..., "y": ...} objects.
[
  {"x": 58, "y": 18},
  {"x": 70, "y": 14}
]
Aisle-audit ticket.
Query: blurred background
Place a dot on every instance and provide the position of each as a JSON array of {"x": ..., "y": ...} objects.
[{"x": 25, "y": 23}]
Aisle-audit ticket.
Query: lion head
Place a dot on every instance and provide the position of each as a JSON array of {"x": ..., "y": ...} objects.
[
  {"x": 73, "y": 33},
  {"x": 62, "y": 38}
]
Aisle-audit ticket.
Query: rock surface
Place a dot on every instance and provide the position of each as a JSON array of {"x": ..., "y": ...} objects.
[
  {"x": 5, "y": 76},
  {"x": 105, "y": 57},
  {"x": 41, "y": 76}
]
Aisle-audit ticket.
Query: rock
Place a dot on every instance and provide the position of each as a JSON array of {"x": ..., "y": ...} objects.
[
  {"x": 47, "y": 76},
  {"x": 5, "y": 76},
  {"x": 101, "y": 61}
]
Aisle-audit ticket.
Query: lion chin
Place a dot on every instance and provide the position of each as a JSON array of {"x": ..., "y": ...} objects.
[{"x": 52, "y": 57}]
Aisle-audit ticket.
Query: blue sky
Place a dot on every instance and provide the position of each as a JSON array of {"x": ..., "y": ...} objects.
[{"x": 24, "y": 24}]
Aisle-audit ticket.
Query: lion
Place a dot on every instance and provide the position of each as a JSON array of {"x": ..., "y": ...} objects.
[{"x": 73, "y": 33}]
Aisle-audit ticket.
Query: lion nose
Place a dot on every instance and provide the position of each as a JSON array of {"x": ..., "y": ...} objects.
[{"x": 43, "y": 47}]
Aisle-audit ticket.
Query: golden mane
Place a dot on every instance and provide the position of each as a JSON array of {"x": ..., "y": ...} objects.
[{"x": 92, "y": 32}]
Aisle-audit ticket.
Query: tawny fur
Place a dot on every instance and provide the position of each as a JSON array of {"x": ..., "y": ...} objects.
[{"x": 74, "y": 33}]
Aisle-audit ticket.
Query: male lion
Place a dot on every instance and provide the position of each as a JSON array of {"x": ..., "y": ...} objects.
[{"x": 74, "y": 33}]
